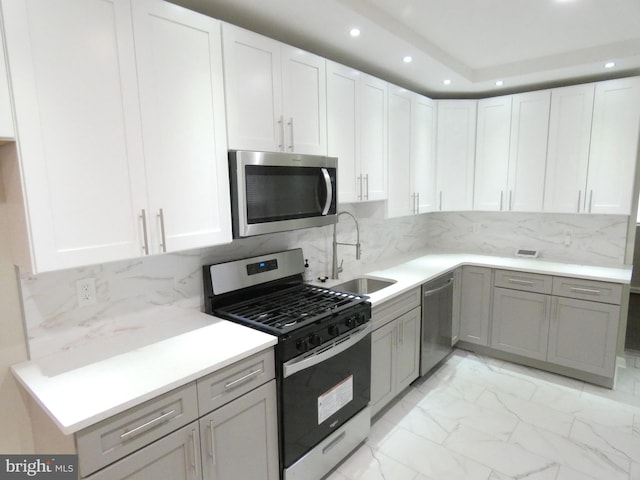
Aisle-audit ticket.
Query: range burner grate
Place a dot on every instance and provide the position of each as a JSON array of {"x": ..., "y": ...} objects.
[{"x": 289, "y": 309}]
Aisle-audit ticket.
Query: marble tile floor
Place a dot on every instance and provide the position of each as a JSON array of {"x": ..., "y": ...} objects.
[{"x": 481, "y": 418}]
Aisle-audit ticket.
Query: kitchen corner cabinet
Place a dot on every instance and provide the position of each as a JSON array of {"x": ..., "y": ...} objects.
[
  {"x": 613, "y": 147},
  {"x": 84, "y": 175},
  {"x": 239, "y": 440},
  {"x": 7, "y": 131},
  {"x": 568, "y": 148},
  {"x": 411, "y": 153},
  {"x": 395, "y": 347},
  {"x": 475, "y": 304},
  {"x": 455, "y": 154},
  {"x": 357, "y": 133},
  {"x": 275, "y": 95}
]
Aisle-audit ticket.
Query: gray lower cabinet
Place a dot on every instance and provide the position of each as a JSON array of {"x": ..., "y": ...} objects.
[
  {"x": 395, "y": 358},
  {"x": 240, "y": 439},
  {"x": 520, "y": 323},
  {"x": 583, "y": 335},
  {"x": 475, "y": 304},
  {"x": 176, "y": 457}
]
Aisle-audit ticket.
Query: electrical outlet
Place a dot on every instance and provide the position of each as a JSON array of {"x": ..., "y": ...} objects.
[{"x": 86, "y": 291}]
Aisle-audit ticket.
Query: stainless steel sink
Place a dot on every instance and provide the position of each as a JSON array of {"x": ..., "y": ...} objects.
[{"x": 364, "y": 285}]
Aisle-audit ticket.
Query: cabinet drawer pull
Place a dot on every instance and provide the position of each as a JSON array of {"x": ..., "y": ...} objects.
[
  {"x": 334, "y": 442},
  {"x": 137, "y": 430},
  {"x": 246, "y": 378},
  {"x": 517, "y": 281},
  {"x": 589, "y": 291}
]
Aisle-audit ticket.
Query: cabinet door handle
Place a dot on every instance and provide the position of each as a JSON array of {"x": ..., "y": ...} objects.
[
  {"x": 291, "y": 131},
  {"x": 195, "y": 453},
  {"x": 589, "y": 291},
  {"x": 413, "y": 203},
  {"x": 590, "y": 199},
  {"x": 440, "y": 201},
  {"x": 501, "y": 198},
  {"x": 163, "y": 238},
  {"x": 366, "y": 179},
  {"x": 359, "y": 187},
  {"x": 281, "y": 125},
  {"x": 245, "y": 378},
  {"x": 579, "y": 198},
  {"x": 145, "y": 238},
  {"x": 517, "y": 281},
  {"x": 212, "y": 444},
  {"x": 146, "y": 425},
  {"x": 510, "y": 199},
  {"x": 417, "y": 203}
]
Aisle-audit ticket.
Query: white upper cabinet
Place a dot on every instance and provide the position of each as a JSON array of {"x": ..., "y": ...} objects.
[
  {"x": 614, "y": 146},
  {"x": 528, "y": 150},
  {"x": 179, "y": 57},
  {"x": 275, "y": 94},
  {"x": 6, "y": 115},
  {"x": 492, "y": 154},
  {"x": 455, "y": 154},
  {"x": 92, "y": 188},
  {"x": 356, "y": 132},
  {"x": 412, "y": 171},
  {"x": 78, "y": 123},
  {"x": 568, "y": 149}
]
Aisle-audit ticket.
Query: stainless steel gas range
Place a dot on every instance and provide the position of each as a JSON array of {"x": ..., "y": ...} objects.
[{"x": 323, "y": 355}]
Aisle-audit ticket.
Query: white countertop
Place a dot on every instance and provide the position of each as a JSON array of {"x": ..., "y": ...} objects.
[
  {"x": 87, "y": 390},
  {"x": 80, "y": 397}
]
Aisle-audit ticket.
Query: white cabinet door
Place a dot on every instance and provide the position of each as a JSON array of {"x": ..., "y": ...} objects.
[
  {"x": 583, "y": 335},
  {"x": 240, "y": 439},
  {"x": 6, "y": 112},
  {"x": 475, "y": 304},
  {"x": 401, "y": 198},
  {"x": 77, "y": 114},
  {"x": 253, "y": 83},
  {"x": 492, "y": 154},
  {"x": 179, "y": 57},
  {"x": 176, "y": 456},
  {"x": 423, "y": 153},
  {"x": 383, "y": 366},
  {"x": 614, "y": 146},
  {"x": 373, "y": 138},
  {"x": 408, "y": 348},
  {"x": 520, "y": 322},
  {"x": 455, "y": 153},
  {"x": 528, "y": 150},
  {"x": 343, "y": 128},
  {"x": 304, "y": 101},
  {"x": 568, "y": 149}
]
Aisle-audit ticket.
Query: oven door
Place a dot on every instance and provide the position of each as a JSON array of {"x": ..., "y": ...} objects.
[
  {"x": 274, "y": 192},
  {"x": 323, "y": 389}
]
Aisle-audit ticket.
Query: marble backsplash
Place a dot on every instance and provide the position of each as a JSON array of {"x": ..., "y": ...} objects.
[{"x": 55, "y": 322}]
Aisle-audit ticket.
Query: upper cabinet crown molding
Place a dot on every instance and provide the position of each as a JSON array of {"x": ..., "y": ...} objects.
[{"x": 275, "y": 94}]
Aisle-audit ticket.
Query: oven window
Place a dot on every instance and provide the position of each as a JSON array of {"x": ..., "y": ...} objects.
[{"x": 284, "y": 193}]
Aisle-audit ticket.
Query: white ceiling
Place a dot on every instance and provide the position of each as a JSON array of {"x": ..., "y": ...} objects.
[{"x": 525, "y": 43}]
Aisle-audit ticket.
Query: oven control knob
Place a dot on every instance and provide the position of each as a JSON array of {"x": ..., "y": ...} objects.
[
  {"x": 362, "y": 319},
  {"x": 315, "y": 340},
  {"x": 302, "y": 345},
  {"x": 350, "y": 322},
  {"x": 334, "y": 330}
]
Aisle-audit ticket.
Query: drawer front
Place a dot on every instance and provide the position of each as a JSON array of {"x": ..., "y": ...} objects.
[
  {"x": 222, "y": 386},
  {"x": 122, "y": 434},
  {"x": 527, "y": 282},
  {"x": 587, "y": 290},
  {"x": 393, "y": 308}
]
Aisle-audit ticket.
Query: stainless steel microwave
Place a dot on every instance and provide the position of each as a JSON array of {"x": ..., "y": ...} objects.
[{"x": 276, "y": 192}]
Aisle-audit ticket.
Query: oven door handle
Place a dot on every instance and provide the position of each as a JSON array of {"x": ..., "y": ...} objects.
[
  {"x": 327, "y": 182},
  {"x": 324, "y": 353}
]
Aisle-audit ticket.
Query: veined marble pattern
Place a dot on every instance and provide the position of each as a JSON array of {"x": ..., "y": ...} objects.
[{"x": 481, "y": 418}]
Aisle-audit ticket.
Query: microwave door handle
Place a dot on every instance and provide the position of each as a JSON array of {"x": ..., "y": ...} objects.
[{"x": 327, "y": 182}]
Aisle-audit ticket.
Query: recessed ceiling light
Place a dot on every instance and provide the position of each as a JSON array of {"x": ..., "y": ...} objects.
[
  {"x": 499, "y": 83},
  {"x": 354, "y": 32},
  {"x": 447, "y": 82},
  {"x": 407, "y": 59},
  {"x": 609, "y": 64}
]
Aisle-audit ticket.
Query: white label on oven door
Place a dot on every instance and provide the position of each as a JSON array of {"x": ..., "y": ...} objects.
[{"x": 335, "y": 398}]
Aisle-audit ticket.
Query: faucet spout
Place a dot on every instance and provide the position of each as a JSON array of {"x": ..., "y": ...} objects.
[{"x": 335, "y": 269}]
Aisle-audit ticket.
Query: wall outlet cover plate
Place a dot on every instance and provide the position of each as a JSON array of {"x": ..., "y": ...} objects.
[{"x": 523, "y": 252}]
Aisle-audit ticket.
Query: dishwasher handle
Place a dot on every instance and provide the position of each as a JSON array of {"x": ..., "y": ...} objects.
[{"x": 438, "y": 289}]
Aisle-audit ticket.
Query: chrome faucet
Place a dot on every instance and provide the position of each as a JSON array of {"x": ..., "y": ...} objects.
[{"x": 335, "y": 269}]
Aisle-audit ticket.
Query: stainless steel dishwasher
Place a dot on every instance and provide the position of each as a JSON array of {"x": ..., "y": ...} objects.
[{"x": 437, "y": 311}]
